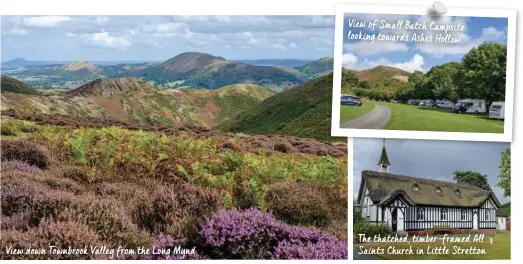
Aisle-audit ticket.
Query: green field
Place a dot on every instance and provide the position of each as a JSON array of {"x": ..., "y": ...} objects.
[
  {"x": 499, "y": 249},
  {"x": 348, "y": 112},
  {"x": 411, "y": 117}
]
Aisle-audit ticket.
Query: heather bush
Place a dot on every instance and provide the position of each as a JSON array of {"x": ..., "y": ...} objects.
[
  {"x": 252, "y": 234},
  {"x": 175, "y": 209},
  {"x": 28, "y": 151},
  {"x": 76, "y": 173},
  {"x": 18, "y": 221},
  {"x": 17, "y": 165},
  {"x": 282, "y": 146},
  {"x": 168, "y": 248},
  {"x": 306, "y": 203},
  {"x": 59, "y": 234}
]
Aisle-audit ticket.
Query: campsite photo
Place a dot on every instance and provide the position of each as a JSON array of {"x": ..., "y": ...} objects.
[
  {"x": 423, "y": 73},
  {"x": 170, "y": 137},
  {"x": 431, "y": 200}
]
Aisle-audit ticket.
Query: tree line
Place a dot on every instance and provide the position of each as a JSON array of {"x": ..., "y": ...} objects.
[{"x": 481, "y": 74}]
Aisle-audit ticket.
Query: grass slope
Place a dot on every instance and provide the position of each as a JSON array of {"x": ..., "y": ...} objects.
[
  {"x": 409, "y": 117},
  {"x": 381, "y": 73},
  {"x": 13, "y": 85},
  {"x": 317, "y": 68},
  {"x": 303, "y": 111},
  {"x": 348, "y": 112},
  {"x": 500, "y": 249}
]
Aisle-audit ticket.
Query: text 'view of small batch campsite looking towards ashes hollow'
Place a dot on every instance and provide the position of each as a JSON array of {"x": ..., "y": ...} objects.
[
  {"x": 170, "y": 137},
  {"x": 431, "y": 199},
  {"x": 423, "y": 73}
]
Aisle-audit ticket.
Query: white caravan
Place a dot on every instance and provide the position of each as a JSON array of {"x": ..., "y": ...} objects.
[
  {"x": 497, "y": 110},
  {"x": 475, "y": 106}
]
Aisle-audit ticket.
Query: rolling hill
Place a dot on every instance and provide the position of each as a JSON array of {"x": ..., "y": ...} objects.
[
  {"x": 317, "y": 68},
  {"x": 201, "y": 70},
  {"x": 303, "y": 111},
  {"x": 136, "y": 101},
  {"x": 382, "y": 73},
  {"x": 79, "y": 66},
  {"x": 13, "y": 85}
]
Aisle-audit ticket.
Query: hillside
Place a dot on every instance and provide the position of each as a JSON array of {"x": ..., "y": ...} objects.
[
  {"x": 136, "y": 101},
  {"x": 79, "y": 66},
  {"x": 200, "y": 70},
  {"x": 15, "y": 86},
  {"x": 303, "y": 111},
  {"x": 317, "y": 68},
  {"x": 382, "y": 73}
]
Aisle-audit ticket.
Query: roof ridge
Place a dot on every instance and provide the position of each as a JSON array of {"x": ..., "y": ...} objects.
[{"x": 422, "y": 180}]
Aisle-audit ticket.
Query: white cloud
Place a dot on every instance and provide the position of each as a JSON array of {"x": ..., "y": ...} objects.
[
  {"x": 163, "y": 28},
  {"x": 44, "y": 21},
  {"x": 104, "y": 39},
  {"x": 350, "y": 61},
  {"x": 365, "y": 48},
  {"x": 101, "y": 20},
  {"x": 293, "y": 45},
  {"x": 15, "y": 32}
]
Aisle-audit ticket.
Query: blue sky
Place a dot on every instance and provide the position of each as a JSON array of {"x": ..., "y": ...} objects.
[
  {"x": 157, "y": 38},
  {"x": 411, "y": 56},
  {"x": 431, "y": 159}
]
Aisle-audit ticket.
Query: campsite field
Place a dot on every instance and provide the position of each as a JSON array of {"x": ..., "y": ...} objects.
[
  {"x": 419, "y": 118},
  {"x": 412, "y": 117},
  {"x": 499, "y": 249}
]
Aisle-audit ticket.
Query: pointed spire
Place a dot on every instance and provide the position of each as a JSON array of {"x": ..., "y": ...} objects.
[{"x": 384, "y": 163}]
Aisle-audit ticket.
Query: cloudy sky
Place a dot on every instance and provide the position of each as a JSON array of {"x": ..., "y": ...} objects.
[
  {"x": 157, "y": 38},
  {"x": 431, "y": 159},
  {"x": 411, "y": 56}
]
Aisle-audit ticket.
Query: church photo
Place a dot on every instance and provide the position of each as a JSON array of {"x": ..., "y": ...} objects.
[{"x": 408, "y": 187}]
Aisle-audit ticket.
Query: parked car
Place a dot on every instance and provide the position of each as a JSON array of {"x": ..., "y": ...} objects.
[
  {"x": 445, "y": 104},
  {"x": 350, "y": 100},
  {"x": 427, "y": 102},
  {"x": 413, "y": 102},
  {"x": 476, "y": 106},
  {"x": 497, "y": 110}
]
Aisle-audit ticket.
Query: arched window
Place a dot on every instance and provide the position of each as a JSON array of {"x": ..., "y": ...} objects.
[
  {"x": 438, "y": 190},
  {"x": 420, "y": 214},
  {"x": 443, "y": 214},
  {"x": 487, "y": 215},
  {"x": 463, "y": 215},
  {"x": 415, "y": 187},
  {"x": 458, "y": 193}
]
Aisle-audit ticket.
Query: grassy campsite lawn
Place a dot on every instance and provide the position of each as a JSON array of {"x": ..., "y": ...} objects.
[
  {"x": 500, "y": 249},
  {"x": 348, "y": 112},
  {"x": 411, "y": 117}
]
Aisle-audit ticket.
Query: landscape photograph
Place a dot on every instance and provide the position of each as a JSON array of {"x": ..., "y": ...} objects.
[
  {"x": 420, "y": 73},
  {"x": 431, "y": 200},
  {"x": 170, "y": 137}
]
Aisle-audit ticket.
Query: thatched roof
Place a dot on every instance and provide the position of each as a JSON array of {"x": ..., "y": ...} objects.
[{"x": 385, "y": 186}]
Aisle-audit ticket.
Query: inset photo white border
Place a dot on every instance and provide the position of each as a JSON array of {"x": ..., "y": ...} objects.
[{"x": 343, "y": 9}]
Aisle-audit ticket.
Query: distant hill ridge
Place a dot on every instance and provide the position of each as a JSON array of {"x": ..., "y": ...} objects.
[
  {"x": 79, "y": 65},
  {"x": 13, "y": 85},
  {"x": 382, "y": 73},
  {"x": 107, "y": 87}
]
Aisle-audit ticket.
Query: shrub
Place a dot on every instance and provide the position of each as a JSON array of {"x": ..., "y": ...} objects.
[
  {"x": 282, "y": 146},
  {"x": 175, "y": 209},
  {"x": 17, "y": 165},
  {"x": 76, "y": 173},
  {"x": 27, "y": 151},
  {"x": 18, "y": 221},
  {"x": 168, "y": 245},
  {"x": 370, "y": 230},
  {"x": 253, "y": 234},
  {"x": 7, "y": 131},
  {"x": 306, "y": 203},
  {"x": 59, "y": 234}
]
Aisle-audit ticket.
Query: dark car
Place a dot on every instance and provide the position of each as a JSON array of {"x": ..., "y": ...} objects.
[{"x": 350, "y": 100}]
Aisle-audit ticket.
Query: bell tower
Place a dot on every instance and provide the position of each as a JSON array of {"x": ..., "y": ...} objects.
[{"x": 383, "y": 163}]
